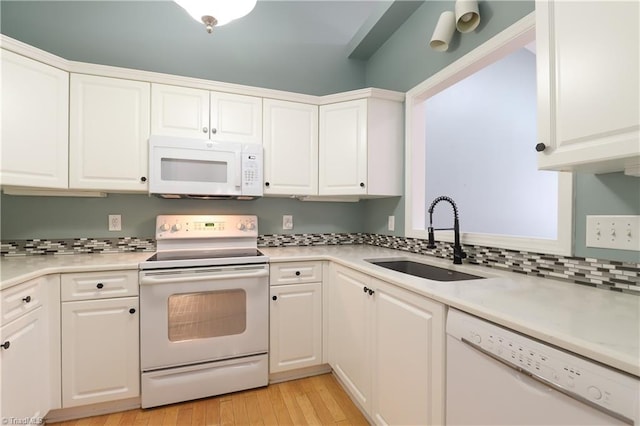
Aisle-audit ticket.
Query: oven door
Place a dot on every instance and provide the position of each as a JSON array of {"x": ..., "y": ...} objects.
[
  {"x": 194, "y": 315},
  {"x": 195, "y": 168}
]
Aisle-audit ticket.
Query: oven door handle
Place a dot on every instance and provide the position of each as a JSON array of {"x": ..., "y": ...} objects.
[{"x": 189, "y": 278}]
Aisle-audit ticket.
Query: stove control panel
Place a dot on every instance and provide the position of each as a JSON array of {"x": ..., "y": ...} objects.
[{"x": 206, "y": 226}]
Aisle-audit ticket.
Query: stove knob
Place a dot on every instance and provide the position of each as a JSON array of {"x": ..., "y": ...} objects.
[
  {"x": 164, "y": 227},
  {"x": 251, "y": 226},
  {"x": 177, "y": 227},
  {"x": 240, "y": 226}
]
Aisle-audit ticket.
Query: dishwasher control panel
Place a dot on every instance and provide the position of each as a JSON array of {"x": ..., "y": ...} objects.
[{"x": 577, "y": 377}]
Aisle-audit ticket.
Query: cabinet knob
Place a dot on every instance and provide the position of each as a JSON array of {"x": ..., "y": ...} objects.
[
  {"x": 297, "y": 273},
  {"x": 6, "y": 345},
  {"x": 540, "y": 147},
  {"x": 100, "y": 285},
  {"x": 274, "y": 297},
  {"x": 143, "y": 179},
  {"x": 371, "y": 292},
  {"x": 361, "y": 184},
  {"x": 214, "y": 130},
  {"x": 132, "y": 311},
  {"x": 365, "y": 289},
  {"x": 205, "y": 130},
  {"x": 26, "y": 299},
  {"x": 267, "y": 184}
]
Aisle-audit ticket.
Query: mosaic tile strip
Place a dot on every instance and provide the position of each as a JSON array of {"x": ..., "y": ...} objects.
[
  {"x": 287, "y": 240},
  {"x": 605, "y": 274},
  {"x": 76, "y": 246}
]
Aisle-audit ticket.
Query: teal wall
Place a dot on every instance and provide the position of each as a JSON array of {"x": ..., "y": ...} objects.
[
  {"x": 402, "y": 62},
  {"x": 405, "y": 60},
  {"x": 142, "y": 35},
  {"x": 68, "y": 217},
  {"x": 606, "y": 194}
]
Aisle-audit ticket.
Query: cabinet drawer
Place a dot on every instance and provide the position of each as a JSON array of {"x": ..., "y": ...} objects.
[
  {"x": 21, "y": 299},
  {"x": 295, "y": 272},
  {"x": 98, "y": 285}
]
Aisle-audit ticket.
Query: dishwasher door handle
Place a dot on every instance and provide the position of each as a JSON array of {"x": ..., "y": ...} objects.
[{"x": 548, "y": 383}]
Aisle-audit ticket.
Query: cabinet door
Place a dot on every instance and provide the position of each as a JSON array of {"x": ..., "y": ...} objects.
[
  {"x": 295, "y": 327},
  {"x": 408, "y": 357},
  {"x": 236, "y": 118},
  {"x": 350, "y": 332},
  {"x": 35, "y": 123},
  {"x": 290, "y": 148},
  {"x": 179, "y": 111},
  {"x": 23, "y": 367},
  {"x": 343, "y": 148},
  {"x": 588, "y": 84},
  {"x": 100, "y": 356},
  {"x": 110, "y": 123}
]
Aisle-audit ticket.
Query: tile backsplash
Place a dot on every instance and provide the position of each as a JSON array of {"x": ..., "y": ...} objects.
[{"x": 605, "y": 274}]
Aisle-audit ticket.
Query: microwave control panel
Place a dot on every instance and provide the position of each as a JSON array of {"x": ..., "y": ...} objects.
[{"x": 252, "y": 170}]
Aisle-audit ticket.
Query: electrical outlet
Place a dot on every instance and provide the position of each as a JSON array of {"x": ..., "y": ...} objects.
[
  {"x": 287, "y": 221},
  {"x": 115, "y": 222},
  {"x": 614, "y": 232},
  {"x": 391, "y": 224}
]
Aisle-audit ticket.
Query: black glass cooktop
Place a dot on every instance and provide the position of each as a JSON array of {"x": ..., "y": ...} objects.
[{"x": 203, "y": 254}]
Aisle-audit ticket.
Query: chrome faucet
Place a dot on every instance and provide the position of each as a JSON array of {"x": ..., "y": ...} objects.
[{"x": 458, "y": 254}]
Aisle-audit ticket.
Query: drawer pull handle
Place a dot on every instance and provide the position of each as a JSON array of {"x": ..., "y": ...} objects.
[
  {"x": 132, "y": 311},
  {"x": 100, "y": 285},
  {"x": 26, "y": 299},
  {"x": 297, "y": 273},
  {"x": 5, "y": 345}
]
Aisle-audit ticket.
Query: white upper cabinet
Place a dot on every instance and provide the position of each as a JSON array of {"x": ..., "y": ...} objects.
[
  {"x": 109, "y": 132},
  {"x": 35, "y": 123},
  {"x": 235, "y": 118},
  {"x": 361, "y": 148},
  {"x": 195, "y": 113},
  {"x": 290, "y": 138},
  {"x": 588, "y": 85}
]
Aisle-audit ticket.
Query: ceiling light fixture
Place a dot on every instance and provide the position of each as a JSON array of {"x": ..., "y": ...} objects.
[{"x": 216, "y": 12}]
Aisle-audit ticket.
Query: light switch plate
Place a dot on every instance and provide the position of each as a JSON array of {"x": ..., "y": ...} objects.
[{"x": 614, "y": 232}]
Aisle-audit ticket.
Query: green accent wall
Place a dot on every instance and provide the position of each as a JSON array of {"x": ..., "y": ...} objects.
[
  {"x": 26, "y": 217},
  {"x": 406, "y": 60},
  {"x": 402, "y": 62}
]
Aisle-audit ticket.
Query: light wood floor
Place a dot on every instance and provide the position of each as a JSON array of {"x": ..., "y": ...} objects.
[{"x": 318, "y": 400}]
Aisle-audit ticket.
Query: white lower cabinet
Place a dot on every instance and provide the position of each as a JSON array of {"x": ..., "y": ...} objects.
[
  {"x": 100, "y": 339},
  {"x": 295, "y": 328},
  {"x": 24, "y": 367},
  {"x": 30, "y": 349},
  {"x": 386, "y": 345}
]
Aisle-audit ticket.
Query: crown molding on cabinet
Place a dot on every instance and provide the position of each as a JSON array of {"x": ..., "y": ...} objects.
[{"x": 29, "y": 51}]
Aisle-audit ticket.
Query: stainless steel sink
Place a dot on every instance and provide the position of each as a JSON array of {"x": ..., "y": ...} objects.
[{"x": 422, "y": 270}]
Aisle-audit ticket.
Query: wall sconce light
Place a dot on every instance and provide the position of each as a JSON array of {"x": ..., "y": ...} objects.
[
  {"x": 467, "y": 15},
  {"x": 445, "y": 28},
  {"x": 465, "y": 19}
]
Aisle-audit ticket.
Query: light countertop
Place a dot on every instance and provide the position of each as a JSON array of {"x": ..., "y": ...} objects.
[{"x": 598, "y": 324}]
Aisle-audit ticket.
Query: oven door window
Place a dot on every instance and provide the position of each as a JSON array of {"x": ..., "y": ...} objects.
[{"x": 208, "y": 314}]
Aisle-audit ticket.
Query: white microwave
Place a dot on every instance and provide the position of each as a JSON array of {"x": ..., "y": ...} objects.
[{"x": 204, "y": 169}]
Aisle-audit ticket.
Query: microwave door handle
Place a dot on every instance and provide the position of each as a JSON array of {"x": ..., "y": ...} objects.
[{"x": 239, "y": 170}]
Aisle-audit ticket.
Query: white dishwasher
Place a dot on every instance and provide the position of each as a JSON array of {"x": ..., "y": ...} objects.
[{"x": 496, "y": 376}]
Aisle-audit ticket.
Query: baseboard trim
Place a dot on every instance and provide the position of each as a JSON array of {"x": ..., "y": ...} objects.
[
  {"x": 72, "y": 413},
  {"x": 299, "y": 373}
]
